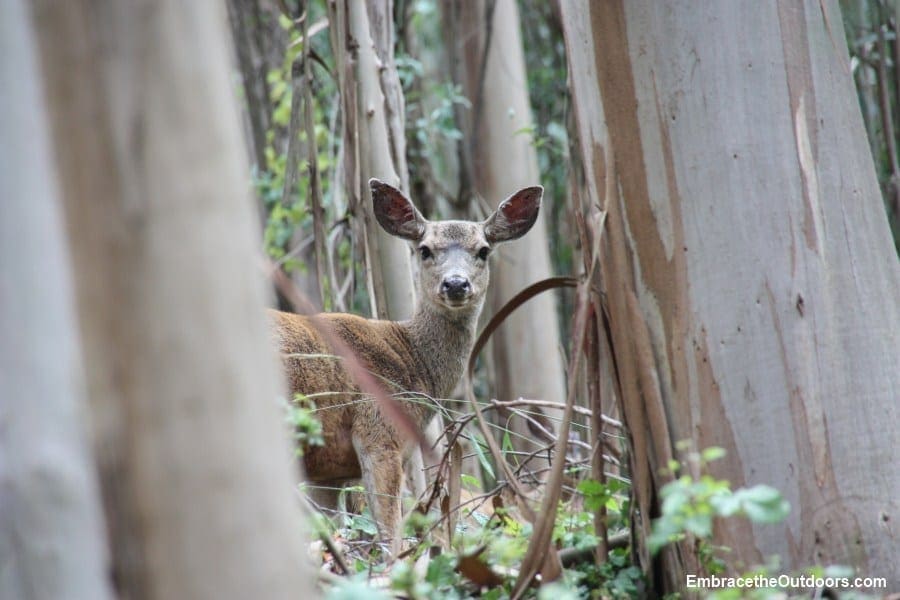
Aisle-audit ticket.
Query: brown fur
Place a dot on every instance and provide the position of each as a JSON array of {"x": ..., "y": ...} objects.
[{"x": 422, "y": 356}]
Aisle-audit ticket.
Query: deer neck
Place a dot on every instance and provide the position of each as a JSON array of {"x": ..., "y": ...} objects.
[{"x": 443, "y": 340}]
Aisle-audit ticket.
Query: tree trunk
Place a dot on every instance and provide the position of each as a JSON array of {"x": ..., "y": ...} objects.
[
  {"x": 753, "y": 290},
  {"x": 245, "y": 18},
  {"x": 259, "y": 46},
  {"x": 51, "y": 529},
  {"x": 195, "y": 475},
  {"x": 371, "y": 146},
  {"x": 526, "y": 348}
]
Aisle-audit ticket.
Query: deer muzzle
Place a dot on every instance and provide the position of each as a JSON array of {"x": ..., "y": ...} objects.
[{"x": 456, "y": 289}]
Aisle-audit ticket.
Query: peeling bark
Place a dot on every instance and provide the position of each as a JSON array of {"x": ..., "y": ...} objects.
[
  {"x": 747, "y": 245},
  {"x": 372, "y": 146}
]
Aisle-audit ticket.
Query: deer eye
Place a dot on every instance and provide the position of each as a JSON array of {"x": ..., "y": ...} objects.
[
  {"x": 425, "y": 252},
  {"x": 483, "y": 253}
]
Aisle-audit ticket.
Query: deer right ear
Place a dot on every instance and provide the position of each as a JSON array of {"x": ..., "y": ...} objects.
[{"x": 395, "y": 212}]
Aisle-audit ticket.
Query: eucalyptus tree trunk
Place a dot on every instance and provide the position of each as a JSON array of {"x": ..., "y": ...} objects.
[
  {"x": 51, "y": 528},
  {"x": 362, "y": 41},
  {"x": 486, "y": 51},
  {"x": 753, "y": 290},
  {"x": 196, "y": 480}
]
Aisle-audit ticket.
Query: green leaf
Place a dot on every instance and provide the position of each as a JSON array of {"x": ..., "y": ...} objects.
[
  {"x": 441, "y": 571},
  {"x": 665, "y": 531},
  {"x": 363, "y": 523},
  {"x": 712, "y": 453},
  {"x": 595, "y": 494},
  {"x": 482, "y": 458},
  {"x": 726, "y": 505},
  {"x": 506, "y": 442},
  {"x": 469, "y": 482},
  {"x": 675, "y": 501},
  {"x": 591, "y": 487},
  {"x": 698, "y": 524},
  {"x": 763, "y": 504},
  {"x": 354, "y": 589}
]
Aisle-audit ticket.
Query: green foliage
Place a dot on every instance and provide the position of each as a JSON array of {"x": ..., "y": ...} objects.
[
  {"x": 356, "y": 588},
  {"x": 481, "y": 450},
  {"x": 617, "y": 577},
  {"x": 307, "y": 427},
  {"x": 288, "y": 220},
  {"x": 574, "y": 529},
  {"x": 498, "y": 542},
  {"x": 690, "y": 505},
  {"x": 363, "y": 524},
  {"x": 470, "y": 483},
  {"x": 430, "y": 119},
  {"x": 441, "y": 579},
  {"x": 597, "y": 494}
]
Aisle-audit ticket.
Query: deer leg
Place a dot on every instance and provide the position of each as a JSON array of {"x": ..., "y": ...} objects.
[{"x": 382, "y": 473}]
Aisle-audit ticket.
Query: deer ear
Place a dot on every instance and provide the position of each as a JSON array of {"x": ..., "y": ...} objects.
[
  {"x": 395, "y": 212},
  {"x": 515, "y": 216}
]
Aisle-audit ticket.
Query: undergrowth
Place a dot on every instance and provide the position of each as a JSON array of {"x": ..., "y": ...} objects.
[{"x": 490, "y": 537}]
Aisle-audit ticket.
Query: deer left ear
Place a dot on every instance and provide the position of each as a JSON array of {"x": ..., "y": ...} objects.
[
  {"x": 395, "y": 212},
  {"x": 515, "y": 216}
]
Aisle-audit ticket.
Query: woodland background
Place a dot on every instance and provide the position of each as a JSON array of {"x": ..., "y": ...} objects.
[{"x": 706, "y": 381}]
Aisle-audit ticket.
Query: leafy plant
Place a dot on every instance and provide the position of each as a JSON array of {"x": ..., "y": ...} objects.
[
  {"x": 690, "y": 505},
  {"x": 307, "y": 427}
]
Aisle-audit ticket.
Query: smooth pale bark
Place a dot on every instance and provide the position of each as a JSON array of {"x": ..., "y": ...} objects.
[
  {"x": 195, "y": 467},
  {"x": 526, "y": 348},
  {"x": 381, "y": 26},
  {"x": 390, "y": 272},
  {"x": 51, "y": 529},
  {"x": 753, "y": 289}
]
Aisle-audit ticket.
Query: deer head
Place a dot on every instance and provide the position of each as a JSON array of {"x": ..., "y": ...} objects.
[{"x": 453, "y": 255}]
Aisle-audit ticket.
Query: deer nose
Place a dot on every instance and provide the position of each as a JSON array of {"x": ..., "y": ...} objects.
[{"x": 455, "y": 287}]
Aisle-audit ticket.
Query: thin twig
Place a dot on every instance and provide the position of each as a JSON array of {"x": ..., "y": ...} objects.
[
  {"x": 329, "y": 543},
  {"x": 550, "y": 404}
]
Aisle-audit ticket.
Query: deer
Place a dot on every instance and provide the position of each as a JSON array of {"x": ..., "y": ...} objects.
[{"x": 423, "y": 356}]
